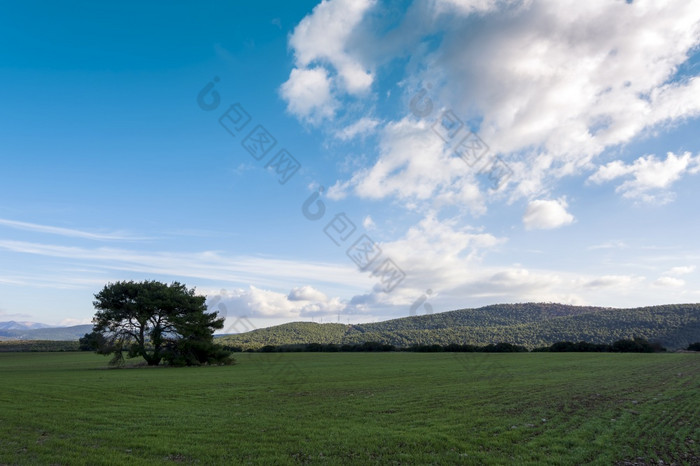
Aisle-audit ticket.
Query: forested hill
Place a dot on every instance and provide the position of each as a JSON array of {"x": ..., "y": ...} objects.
[
  {"x": 530, "y": 324},
  {"x": 49, "y": 334}
]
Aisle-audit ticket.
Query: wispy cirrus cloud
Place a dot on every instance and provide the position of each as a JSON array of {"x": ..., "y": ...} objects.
[
  {"x": 608, "y": 245},
  {"x": 358, "y": 129},
  {"x": 206, "y": 265},
  {"x": 68, "y": 232}
]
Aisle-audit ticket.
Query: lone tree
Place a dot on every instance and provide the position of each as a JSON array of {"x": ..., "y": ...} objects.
[{"x": 158, "y": 322}]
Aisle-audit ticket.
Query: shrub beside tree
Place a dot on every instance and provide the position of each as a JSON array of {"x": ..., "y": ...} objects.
[
  {"x": 92, "y": 341},
  {"x": 637, "y": 345}
]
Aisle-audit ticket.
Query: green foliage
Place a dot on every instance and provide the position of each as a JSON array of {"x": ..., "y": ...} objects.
[
  {"x": 694, "y": 346},
  {"x": 92, "y": 341},
  {"x": 37, "y": 346},
  {"x": 373, "y": 346},
  {"x": 156, "y": 322},
  {"x": 636, "y": 345},
  {"x": 531, "y": 325}
]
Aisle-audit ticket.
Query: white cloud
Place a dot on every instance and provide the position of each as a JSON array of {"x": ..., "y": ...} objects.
[
  {"x": 609, "y": 281},
  {"x": 72, "y": 322},
  {"x": 671, "y": 282},
  {"x": 682, "y": 270},
  {"x": 361, "y": 128},
  {"x": 546, "y": 77},
  {"x": 306, "y": 293},
  {"x": 450, "y": 260},
  {"x": 490, "y": 285},
  {"x": 440, "y": 249},
  {"x": 255, "y": 302},
  {"x": 516, "y": 281},
  {"x": 518, "y": 284},
  {"x": 324, "y": 35},
  {"x": 651, "y": 177},
  {"x": 467, "y": 7},
  {"x": 321, "y": 45},
  {"x": 414, "y": 167},
  {"x": 557, "y": 82},
  {"x": 434, "y": 255},
  {"x": 308, "y": 94},
  {"x": 368, "y": 223},
  {"x": 545, "y": 215}
]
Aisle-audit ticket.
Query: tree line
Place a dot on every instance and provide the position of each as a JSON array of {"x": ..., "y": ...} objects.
[{"x": 635, "y": 345}]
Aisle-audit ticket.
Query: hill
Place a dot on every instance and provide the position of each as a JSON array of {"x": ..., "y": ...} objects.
[
  {"x": 51, "y": 333},
  {"x": 529, "y": 324},
  {"x": 13, "y": 325}
]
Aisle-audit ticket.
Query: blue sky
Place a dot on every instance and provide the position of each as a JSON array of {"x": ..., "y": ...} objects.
[{"x": 489, "y": 152}]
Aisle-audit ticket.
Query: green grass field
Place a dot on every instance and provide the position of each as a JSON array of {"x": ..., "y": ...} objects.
[{"x": 354, "y": 408}]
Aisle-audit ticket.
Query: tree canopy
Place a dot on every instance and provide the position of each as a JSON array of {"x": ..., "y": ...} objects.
[{"x": 158, "y": 322}]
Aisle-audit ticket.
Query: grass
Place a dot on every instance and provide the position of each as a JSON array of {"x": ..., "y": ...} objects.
[{"x": 354, "y": 408}]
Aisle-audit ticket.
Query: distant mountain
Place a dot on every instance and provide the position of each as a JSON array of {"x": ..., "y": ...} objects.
[
  {"x": 530, "y": 324},
  {"x": 12, "y": 325},
  {"x": 46, "y": 333}
]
